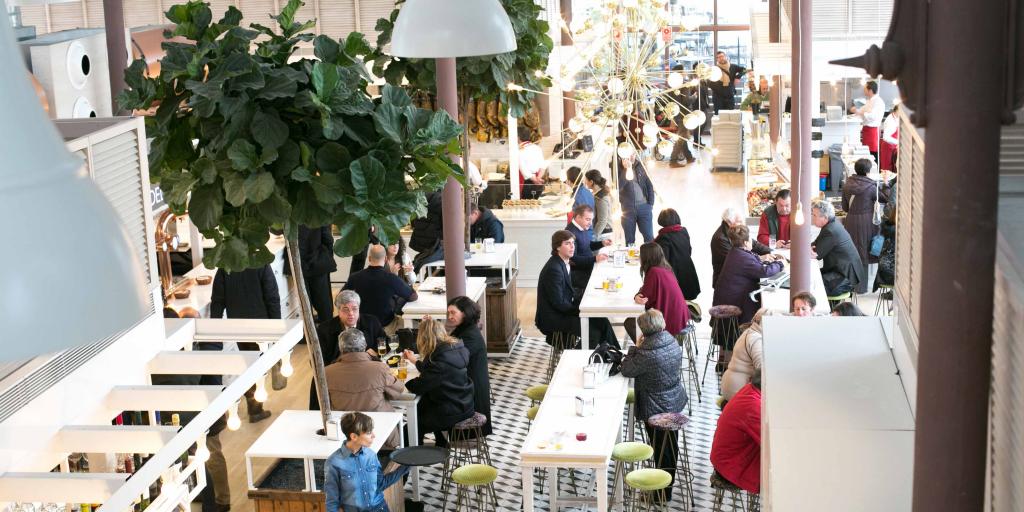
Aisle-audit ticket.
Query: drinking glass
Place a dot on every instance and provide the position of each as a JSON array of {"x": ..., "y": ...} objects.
[
  {"x": 382, "y": 347},
  {"x": 772, "y": 242}
]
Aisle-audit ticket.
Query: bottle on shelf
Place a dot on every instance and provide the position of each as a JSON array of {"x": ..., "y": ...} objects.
[{"x": 83, "y": 464}]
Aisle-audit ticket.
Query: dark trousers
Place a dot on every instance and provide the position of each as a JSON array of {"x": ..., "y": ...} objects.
[
  {"x": 643, "y": 218},
  {"x": 319, "y": 289},
  {"x": 666, "y": 449},
  {"x": 253, "y": 406},
  {"x": 682, "y": 146}
]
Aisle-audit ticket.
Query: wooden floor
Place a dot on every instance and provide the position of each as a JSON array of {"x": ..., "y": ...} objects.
[{"x": 698, "y": 195}]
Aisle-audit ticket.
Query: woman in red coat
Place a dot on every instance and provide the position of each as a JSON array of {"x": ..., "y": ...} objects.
[
  {"x": 660, "y": 291},
  {"x": 736, "y": 449}
]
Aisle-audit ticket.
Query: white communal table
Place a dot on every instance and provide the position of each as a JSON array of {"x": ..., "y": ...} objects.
[
  {"x": 557, "y": 419},
  {"x": 436, "y": 304},
  {"x": 293, "y": 436},
  {"x": 505, "y": 257},
  {"x": 598, "y": 302}
]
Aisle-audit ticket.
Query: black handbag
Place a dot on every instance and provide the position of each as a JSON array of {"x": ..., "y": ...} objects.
[{"x": 608, "y": 354}]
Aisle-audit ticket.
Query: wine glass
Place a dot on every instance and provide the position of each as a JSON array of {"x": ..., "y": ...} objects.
[{"x": 393, "y": 343}]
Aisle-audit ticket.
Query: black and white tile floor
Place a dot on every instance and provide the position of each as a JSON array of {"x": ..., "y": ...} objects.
[{"x": 527, "y": 366}]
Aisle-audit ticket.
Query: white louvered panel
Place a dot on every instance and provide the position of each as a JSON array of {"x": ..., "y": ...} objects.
[
  {"x": 34, "y": 16},
  {"x": 257, "y": 11},
  {"x": 337, "y": 18},
  {"x": 94, "y": 13},
  {"x": 831, "y": 18},
  {"x": 1011, "y": 150},
  {"x": 917, "y": 217},
  {"x": 66, "y": 16},
  {"x": 904, "y": 214},
  {"x": 116, "y": 169},
  {"x": 369, "y": 12},
  {"x": 871, "y": 16},
  {"x": 139, "y": 13},
  {"x": 1007, "y": 416}
]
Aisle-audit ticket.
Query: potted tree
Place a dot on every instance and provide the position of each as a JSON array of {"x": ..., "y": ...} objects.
[{"x": 247, "y": 141}]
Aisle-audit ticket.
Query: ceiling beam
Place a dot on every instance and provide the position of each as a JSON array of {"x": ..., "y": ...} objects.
[
  {"x": 202, "y": 362},
  {"x": 60, "y": 487},
  {"x": 162, "y": 398},
  {"x": 114, "y": 438}
]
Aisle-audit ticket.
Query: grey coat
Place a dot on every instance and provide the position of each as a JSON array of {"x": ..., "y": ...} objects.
[{"x": 655, "y": 366}]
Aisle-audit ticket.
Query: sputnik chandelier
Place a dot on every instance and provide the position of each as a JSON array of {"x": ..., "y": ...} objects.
[{"x": 616, "y": 79}]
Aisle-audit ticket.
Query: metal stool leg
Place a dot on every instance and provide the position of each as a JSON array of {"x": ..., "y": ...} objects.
[{"x": 683, "y": 469}]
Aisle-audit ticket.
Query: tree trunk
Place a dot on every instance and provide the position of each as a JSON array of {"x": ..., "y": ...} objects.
[{"x": 316, "y": 356}]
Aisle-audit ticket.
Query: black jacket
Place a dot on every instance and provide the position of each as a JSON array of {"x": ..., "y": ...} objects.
[
  {"x": 655, "y": 366},
  {"x": 251, "y": 293},
  {"x": 316, "y": 250},
  {"x": 584, "y": 258},
  {"x": 720, "y": 247},
  {"x": 487, "y": 226},
  {"x": 445, "y": 388},
  {"x": 556, "y": 311},
  {"x": 838, "y": 254},
  {"x": 428, "y": 231},
  {"x": 474, "y": 341},
  {"x": 676, "y": 246},
  {"x": 629, "y": 199}
]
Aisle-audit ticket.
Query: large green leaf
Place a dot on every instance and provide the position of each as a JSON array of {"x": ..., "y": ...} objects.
[
  {"x": 353, "y": 236},
  {"x": 206, "y": 206},
  {"x": 269, "y": 130},
  {"x": 332, "y": 157},
  {"x": 243, "y": 155},
  {"x": 259, "y": 186},
  {"x": 388, "y": 120},
  {"x": 396, "y": 96}
]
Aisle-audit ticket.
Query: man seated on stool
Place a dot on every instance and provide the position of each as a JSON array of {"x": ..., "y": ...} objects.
[
  {"x": 483, "y": 224},
  {"x": 378, "y": 288},
  {"x": 584, "y": 258},
  {"x": 348, "y": 317},
  {"x": 775, "y": 221},
  {"x": 736, "y": 448},
  {"x": 353, "y": 477},
  {"x": 355, "y": 382}
]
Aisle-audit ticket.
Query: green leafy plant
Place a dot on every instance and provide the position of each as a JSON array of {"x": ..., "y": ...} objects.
[
  {"x": 248, "y": 140},
  {"x": 485, "y": 77}
]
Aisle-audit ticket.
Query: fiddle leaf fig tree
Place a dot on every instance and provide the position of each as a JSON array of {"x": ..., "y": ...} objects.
[{"x": 248, "y": 140}]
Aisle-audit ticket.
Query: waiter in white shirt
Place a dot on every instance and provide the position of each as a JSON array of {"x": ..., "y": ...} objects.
[{"x": 871, "y": 113}]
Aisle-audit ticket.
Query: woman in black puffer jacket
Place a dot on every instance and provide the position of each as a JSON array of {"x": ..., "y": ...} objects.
[
  {"x": 655, "y": 363},
  {"x": 443, "y": 381}
]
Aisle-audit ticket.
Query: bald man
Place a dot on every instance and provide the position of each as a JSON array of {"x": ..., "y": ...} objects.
[{"x": 379, "y": 289}]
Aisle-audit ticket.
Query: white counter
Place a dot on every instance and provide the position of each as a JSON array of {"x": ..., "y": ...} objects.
[
  {"x": 532, "y": 230},
  {"x": 598, "y": 302},
  {"x": 436, "y": 304}
]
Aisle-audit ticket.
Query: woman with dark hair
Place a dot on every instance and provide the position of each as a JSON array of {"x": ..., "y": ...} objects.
[
  {"x": 803, "y": 304},
  {"x": 674, "y": 240},
  {"x": 395, "y": 262},
  {"x": 464, "y": 319},
  {"x": 602, "y": 201},
  {"x": 847, "y": 308},
  {"x": 660, "y": 291},
  {"x": 859, "y": 195}
]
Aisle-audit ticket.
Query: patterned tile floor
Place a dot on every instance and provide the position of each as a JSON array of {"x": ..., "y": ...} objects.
[{"x": 526, "y": 367}]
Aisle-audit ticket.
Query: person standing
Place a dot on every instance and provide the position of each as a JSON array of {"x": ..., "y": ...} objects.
[
  {"x": 871, "y": 114},
  {"x": 674, "y": 240},
  {"x": 889, "y": 146},
  {"x": 721, "y": 245},
  {"x": 464, "y": 320},
  {"x": 775, "y": 222},
  {"x": 636, "y": 197},
  {"x": 859, "y": 195},
  {"x": 654, "y": 362},
  {"x": 841, "y": 269},
  {"x": 316, "y": 251},
  {"x": 531, "y": 166},
  {"x": 724, "y": 89},
  {"x": 682, "y": 144},
  {"x": 584, "y": 258},
  {"x": 250, "y": 293},
  {"x": 602, "y": 203},
  {"x": 378, "y": 289}
]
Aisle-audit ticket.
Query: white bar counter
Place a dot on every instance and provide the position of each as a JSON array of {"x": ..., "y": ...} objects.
[
  {"x": 531, "y": 230},
  {"x": 436, "y": 304},
  {"x": 598, "y": 302}
]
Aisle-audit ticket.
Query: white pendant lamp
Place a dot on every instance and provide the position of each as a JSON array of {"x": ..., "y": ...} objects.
[
  {"x": 451, "y": 28},
  {"x": 69, "y": 275}
]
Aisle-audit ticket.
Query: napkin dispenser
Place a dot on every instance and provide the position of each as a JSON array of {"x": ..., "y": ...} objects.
[
  {"x": 334, "y": 429},
  {"x": 488, "y": 245},
  {"x": 584, "y": 405},
  {"x": 619, "y": 259}
]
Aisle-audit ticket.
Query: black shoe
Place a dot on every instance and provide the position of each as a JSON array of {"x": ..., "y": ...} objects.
[{"x": 259, "y": 416}]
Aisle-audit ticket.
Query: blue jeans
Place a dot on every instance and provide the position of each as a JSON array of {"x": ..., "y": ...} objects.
[{"x": 642, "y": 217}]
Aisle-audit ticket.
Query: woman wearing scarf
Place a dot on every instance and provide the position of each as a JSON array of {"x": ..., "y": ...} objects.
[{"x": 674, "y": 240}]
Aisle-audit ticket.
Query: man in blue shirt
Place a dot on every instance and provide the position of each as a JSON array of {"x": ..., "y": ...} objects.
[{"x": 354, "y": 480}]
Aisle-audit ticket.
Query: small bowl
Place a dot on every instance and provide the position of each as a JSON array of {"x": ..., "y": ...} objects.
[
  {"x": 182, "y": 294},
  {"x": 204, "y": 280}
]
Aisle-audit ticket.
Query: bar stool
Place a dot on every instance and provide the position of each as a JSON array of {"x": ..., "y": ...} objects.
[
  {"x": 665, "y": 425},
  {"x": 696, "y": 315},
  {"x": 721, "y": 486},
  {"x": 687, "y": 339},
  {"x": 536, "y": 393},
  {"x": 480, "y": 478},
  {"x": 834, "y": 300},
  {"x": 631, "y": 419},
  {"x": 630, "y": 453},
  {"x": 652, "y": 484},
  {"x": 724, "y": 332},
  {"x": 884, "y": 299},
  {"x": 560, "y": 341},
  {"x": 467, "y": 445}
]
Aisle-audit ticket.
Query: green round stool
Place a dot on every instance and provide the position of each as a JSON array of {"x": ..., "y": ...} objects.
[
  {"x": 651, "y": 484},
  {"x": 536, "y": 393},
  {"x": 479, "y": 479},
  {"x": 836, "y": 299},
  {"x": 633, "y": 424},
  {"x": 531, "y": 413},
  {"x": 885, "y": 296},
  {"x": 631, "y": 453},
  {"x": 631, "y": 396}
]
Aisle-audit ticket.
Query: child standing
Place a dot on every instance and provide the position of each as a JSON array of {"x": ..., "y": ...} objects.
[{"x": 354, "y": 480}]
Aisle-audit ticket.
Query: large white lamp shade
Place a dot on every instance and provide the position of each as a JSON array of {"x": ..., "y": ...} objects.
[
  {"x": 435, "y": 29},
  {"x": 69, "y": 275}
]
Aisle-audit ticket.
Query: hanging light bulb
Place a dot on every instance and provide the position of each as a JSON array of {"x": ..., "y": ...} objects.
[
  {"x": 261, "y": 390},
  {"x": 714, "y": 151},
  {"x": 650, "y": 140},
  {"x": 202, "y": 452},
  {"x": 630, "y": 4},
  {"x": 671, "y": 109},
  {"x": 620, "y": 108},
  {"x": 650, "y": 129},
  {"x": 675, "y": 79},
  {"x": 234, "y": 422},
  {"x": 715, "y": 74},
  {"x": 665, "y": 148},
  {"x": 690, "y": 121},
  {"x": 286, "y": 365},
  {"x": 701, "y": 117},
  {"x": 798, "y": 217},
  {"x": 616, "y": 86},
  {"x": 625, "y": 150},
  {"x": 627, "y": 107}
]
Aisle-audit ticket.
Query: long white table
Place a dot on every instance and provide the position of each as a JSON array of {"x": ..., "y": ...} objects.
[
  {"x": 598, "y": 302},
  {"x": 557, "y": 415},
  {"x": 436, "y": 304},
  {"x": 293, "y": 436},
  {"x": 836, "y": 417},
  {"x": 505, "y": 258}
]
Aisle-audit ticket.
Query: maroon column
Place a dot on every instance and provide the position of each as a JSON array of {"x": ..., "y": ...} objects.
[
  {"x": 117, "y": 49},
  {"x": 958, "y": 239},
  {"x": 451, "y": 202},
  {"x": 802, "y": 172}
]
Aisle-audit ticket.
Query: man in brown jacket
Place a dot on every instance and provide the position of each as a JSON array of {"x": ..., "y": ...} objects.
[{"x": 355, "y": 382}]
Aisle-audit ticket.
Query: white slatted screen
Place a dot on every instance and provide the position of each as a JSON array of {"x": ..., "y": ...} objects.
[{"x": 909, "y": 206}]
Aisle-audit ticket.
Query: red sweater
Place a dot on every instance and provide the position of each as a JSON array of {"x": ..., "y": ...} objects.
[
  {"x": 662, "y": 291},
  {"x": 764, "y": 233},
  {"x": 736, "y": 449}
]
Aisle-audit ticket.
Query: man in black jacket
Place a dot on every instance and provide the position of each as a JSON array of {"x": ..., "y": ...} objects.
[
  {"x": 250, "y": 293},
  {"x": 427, "y": 233},
  {"x": 483, "y": 224},
  {"x": 582, "y": 262},
  {"x": 720, "y": 244},
  {"x": 316, "y": 250},
  {"x": 724, "y": 89}
]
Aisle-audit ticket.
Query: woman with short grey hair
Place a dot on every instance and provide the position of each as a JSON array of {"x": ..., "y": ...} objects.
[{"x": 654, "y": 362}]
